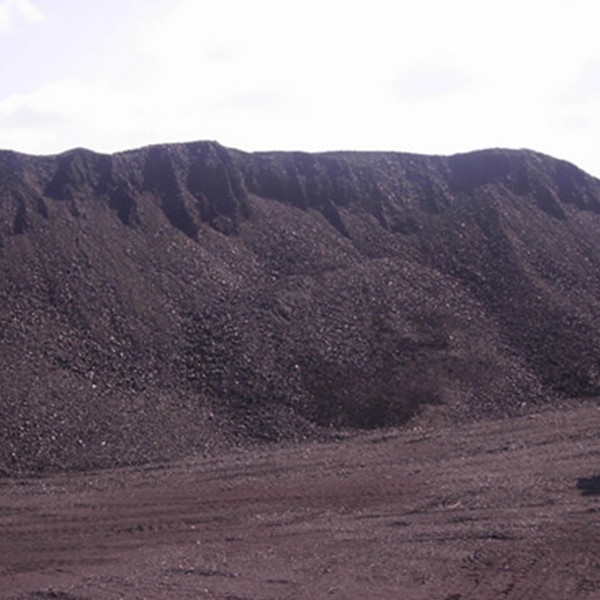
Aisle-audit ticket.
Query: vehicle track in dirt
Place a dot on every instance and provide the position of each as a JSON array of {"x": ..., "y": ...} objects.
[{"x": 496, "y": 509}]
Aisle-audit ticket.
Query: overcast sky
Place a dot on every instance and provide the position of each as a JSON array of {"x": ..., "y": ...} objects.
[{"x": 426, "y": 76}]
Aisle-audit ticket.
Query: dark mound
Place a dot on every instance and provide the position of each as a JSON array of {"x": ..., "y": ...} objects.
[{"x": 175, "y": 298}]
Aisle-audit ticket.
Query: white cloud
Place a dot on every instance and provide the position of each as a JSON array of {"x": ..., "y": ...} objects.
[
  {"x": 428, "y": 81},
  {"x": 12, "y": 9},
  {"x": 73, "y": 110},
  {"x": 27, "y": 9},
  {"x": 586, "y": 83}
]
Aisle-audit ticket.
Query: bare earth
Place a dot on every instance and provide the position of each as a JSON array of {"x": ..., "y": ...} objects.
[{"x": 497, "y": 509}]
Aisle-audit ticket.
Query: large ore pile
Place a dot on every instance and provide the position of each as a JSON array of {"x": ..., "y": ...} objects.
[{"x": 183, "y": 298}]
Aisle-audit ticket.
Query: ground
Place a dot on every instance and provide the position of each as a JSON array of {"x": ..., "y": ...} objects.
[{"x": 503, "y": 508}]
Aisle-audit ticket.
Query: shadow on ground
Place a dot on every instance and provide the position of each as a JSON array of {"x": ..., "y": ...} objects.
[{"x": 589, "y": 486}]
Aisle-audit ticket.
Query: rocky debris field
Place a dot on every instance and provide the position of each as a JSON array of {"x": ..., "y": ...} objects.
[
  {"x": 282, "y": 375},
  {"x": 186, "y": 299},
  {"x": 502, "y": 508}
]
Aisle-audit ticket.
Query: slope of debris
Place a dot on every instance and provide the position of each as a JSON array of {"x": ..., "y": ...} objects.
[{"x": 183, "y": 298}]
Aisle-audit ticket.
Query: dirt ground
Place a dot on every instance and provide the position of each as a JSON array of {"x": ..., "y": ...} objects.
[{"x": 497, "y": 509}]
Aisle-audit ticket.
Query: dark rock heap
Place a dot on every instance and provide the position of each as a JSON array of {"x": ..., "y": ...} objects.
[{"x": 177, "y": 298}]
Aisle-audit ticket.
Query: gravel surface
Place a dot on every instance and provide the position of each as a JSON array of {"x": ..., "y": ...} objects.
[
  {"x": 185, "y": 299},
  {"x": 497, "y": 509}
]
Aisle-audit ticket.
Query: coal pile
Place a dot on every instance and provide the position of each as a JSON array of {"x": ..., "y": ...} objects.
[{"x": 186, "y": 298}]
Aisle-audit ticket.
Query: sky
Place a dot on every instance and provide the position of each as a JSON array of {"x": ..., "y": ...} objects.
[{"x": 426, "y": 76}]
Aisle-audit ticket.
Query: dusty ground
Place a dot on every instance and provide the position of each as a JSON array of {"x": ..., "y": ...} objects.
[{"x": 498, "y": 509}]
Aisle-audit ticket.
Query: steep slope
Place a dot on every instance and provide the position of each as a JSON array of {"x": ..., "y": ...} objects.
[{"x": 176, "y": 298}]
